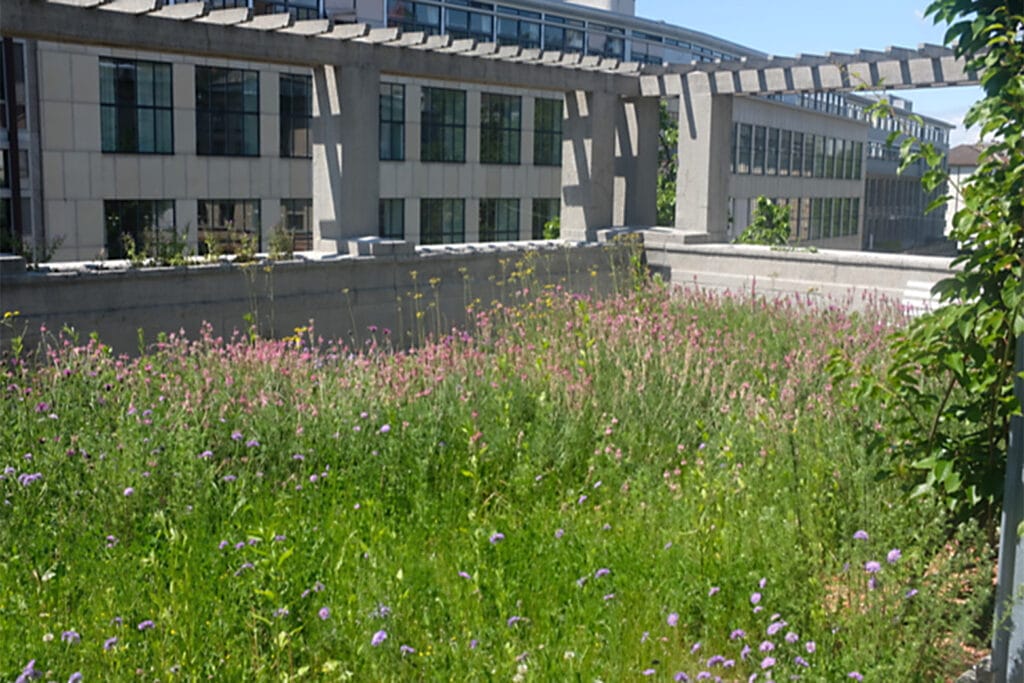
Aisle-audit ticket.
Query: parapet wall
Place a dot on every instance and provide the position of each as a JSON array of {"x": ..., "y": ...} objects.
[
  {"x": 849, "y": 278},
  {"x": 410, "y": 295}
]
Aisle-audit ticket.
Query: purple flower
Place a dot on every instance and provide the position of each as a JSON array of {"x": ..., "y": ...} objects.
[
  {"x": 649, "y": 672},
  {"x": 681, "y": 676},
  {"x": 872, "y": 567},
  {"x": 466, "y": 576},
  {"x": 800, "y": 661},
  {"x": 205, "y": 454},
  {"x": 695, "y": 648},
  {"x": 559, "y": 533},
  {"x": 281, "y": 612},
  {"x": 146, "y": 625},
  {"x": 29, "y": 673},
  {"x": 738, "y": 633},
  {"x": 513, "y": 620},
  {"x": 673, "y": 619},
  {"x": 609, "y": 596},
  {"x": 252, "y": 443},
  {"x": 603, "y": 571},
  {"x": 893, "y": 556},
  {"x": 775, "y": 627},
  {"x": 582, "y": 499},
  {"x": 325, "y": 614},
  {"x": 109, "y": 643},
  {"x": 75, "y": 677},
  {"x": 762, "y": 583},
  {"x": 767, "y": 646},
  {"x": 855, "y": 675},
  {"x": 385, "y": 429},
  {"x": 497, "y": 537},
  {"x": 236, "y": 435},
  {"x": 810, "y": 646},
  {"x": 406, "y": 650},
  {"x": 27, "y": 479},
  {"x": 379, "y": 637},
  {"x": 755, "y": 598},
  {"x": 767, "y": 662},
  {"x": 473, "y": 644},
  {"x": 860, "y": 535},
  {"x": 745, "y": 652},
  {"x": 715, "y": 661},
  {"x": 128, "y": 491},
  {"x": 70, "y": 637},
  {"x": 703, "y": 675},
  {"x": 279, "y": 538},
  {"x": 229, "y": 478},
  {"x": 911, "y": 593},
  {"x": 872, "y": 583},
  {"x": 792, "y": 637},
  {"x": 714, "y": 589}
]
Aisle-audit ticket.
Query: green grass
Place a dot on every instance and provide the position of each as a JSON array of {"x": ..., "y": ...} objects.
[{"x": 693, "y": 446}]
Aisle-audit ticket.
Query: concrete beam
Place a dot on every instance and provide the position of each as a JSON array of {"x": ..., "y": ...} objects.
[
  {"x": 636, "y": 162},
  {"x": 184, "y": 11},
  {"x": 705, "y": 125},
  {"x": 268, "y": 22},
  {"x": 130, "y": 6},
  {"x": 213, "y": 36},
  {"x": 309, "y": 27}
]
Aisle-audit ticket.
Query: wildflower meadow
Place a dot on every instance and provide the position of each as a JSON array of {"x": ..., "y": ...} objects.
[{"x": 658, "y": 485}]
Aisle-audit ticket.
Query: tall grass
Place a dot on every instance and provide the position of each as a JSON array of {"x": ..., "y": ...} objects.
[{"x": 649, "y": 485}]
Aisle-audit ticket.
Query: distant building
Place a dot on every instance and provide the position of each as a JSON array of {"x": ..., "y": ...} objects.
[{"x": 962, "y": 162}]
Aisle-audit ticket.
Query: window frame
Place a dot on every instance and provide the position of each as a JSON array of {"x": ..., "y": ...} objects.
[
  {"x": 223, "y": 235},
  {"x": 501, "y": 129},
  {"x": 390, "y": 208},
  {"x": 499, "y": 219},
  {"x": 451, "y": 215},
  {"x": 391, "y": 125},
  {"x": 121, "y": 129},
  {"x": 443, "y": 125},
  {"x": 114, "y": 242},
  {"x": 548, "y": 115},
  {"x": 290, "y": 120},
  {"x": 212, "y": 119}
]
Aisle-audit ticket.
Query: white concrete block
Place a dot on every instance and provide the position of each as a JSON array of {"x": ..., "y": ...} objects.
[
  {"x": 126, "y": 175},
  {"x": 76, "y": 175}
]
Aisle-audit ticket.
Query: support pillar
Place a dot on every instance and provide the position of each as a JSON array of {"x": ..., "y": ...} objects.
[
  {"x": 702, "y": 190},
  {"x": 636, "y": 162},
  {"x": 588, "y": 164},
  {"x": 346, "y": 156}
]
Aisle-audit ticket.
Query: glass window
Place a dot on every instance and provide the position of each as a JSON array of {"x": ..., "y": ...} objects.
[
  {"x": 544, "y": 210},
  {"x": 15, "y": 116},
  {"x": 442, "y": 221},
  {"x": 463, "y": 24},
  {"x": 851, "y": 160},
  {"x": 297, "y": 221},
  {"x": 819, "y": 156},
  {"x": 135, "y": 219},
  {"x": 224, "y": 223},
  {"x": 760, "y": 135},
  {"x": 797, "y": 166},
  {"x": 772, "y": 165},
  {"x": 136, "y": 107},
  {"x": 443, "y": 125},
  {"x": 296, "y": 114},
  {"x": 559, "y": 39},
  {"x": 299, "y": 9},
  {"x": 513, "y": 31},
  {"x": 809, "y": 145},
  {"x": 815, "y": 229},
  {"x": 392, "y": 219},
  {"x": 547, "y": 132},
  {"x": 414, "y": 16},
  {"x": 392, "y": 122},
  {"x": 745, "y": 148},
  {"x": 500, "y": 128},
  {"x": 785, "y": 151},
  {"x": 499, "y": 220},
  {"x": 227, "y": 111},
  {"x": 858, "y": 155},
  {"x": 830, "y": 158}
]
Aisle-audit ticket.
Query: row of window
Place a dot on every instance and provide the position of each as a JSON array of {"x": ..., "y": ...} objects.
[
  {"x": 762, "y": 150},
  {"x": 486, "y": 22},
  {"x": 443, "y": 127},
  {"x": 299, "y": 9},
  {"x": 443, "y": 221},
  {"x": 221, "y": 222},
  {"x": 136, "y": 110},
  {"x": 821, "y": 218}
]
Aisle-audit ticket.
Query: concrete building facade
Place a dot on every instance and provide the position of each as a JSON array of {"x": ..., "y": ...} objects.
[{"x": 120, "y": 141}]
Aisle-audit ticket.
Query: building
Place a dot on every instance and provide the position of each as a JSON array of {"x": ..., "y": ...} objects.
[
  {"x": 962, "y": 162},
  {"x": 105, "y": 143}
]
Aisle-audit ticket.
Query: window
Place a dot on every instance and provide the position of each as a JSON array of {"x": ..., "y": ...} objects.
[
  {"x": 500, "y": 126},
  {"x": 443, "y": 125},
  {"x": 442, "y": 221},
  {"x": 392, "y": 219},
  {"x": 297, "y": 221},
  {"x": 414, "y": 16},
  {"x": 14, "y": 116},
  {"x": 296, "y": 113},
  {"x": 544, "y": 210},
  {"x": 299, "y": 9},
  {"x": 224, "y": 223},
  {"x": 547, "y": 132},
  {"x": 461, "y": 24},
  {"x": 137, "y": 219},
  {"x": 499, "y": 220},
  {"x": 759, "y": 150},
  {"x": 819, "y": 156},
  {"x": 560, "y": 39},
  {"x": 745, "y": 148},
  {"x": 227, "y": 111},
  {"x": 136, "y": 107},
  {"x": 809, "y": 145},
  {"x": 858, "y": 154},
  {"x": 392, "y": 122},
  {"x": 851, "y": 160},
  {"x": 517, "y": 32},
  {"x": 772, "y": 166},
  {"x": 785, "y": 148},
  {"x": 796, "y": 167}
]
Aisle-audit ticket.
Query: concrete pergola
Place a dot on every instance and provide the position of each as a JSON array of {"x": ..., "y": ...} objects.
[{"x": 611, "y": 119}]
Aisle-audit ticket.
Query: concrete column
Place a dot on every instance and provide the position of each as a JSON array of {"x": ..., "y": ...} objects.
[
  {"x": 588, "y": 168},
  {"x": 636, "y": 162},
  {"x": 346, "y": 157},
  {"x": 702, "y": 191}
]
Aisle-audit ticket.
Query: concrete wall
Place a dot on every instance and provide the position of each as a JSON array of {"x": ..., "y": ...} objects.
[
  {"x": 843, "y": 277},
  {"x": 344, "y": 296}
]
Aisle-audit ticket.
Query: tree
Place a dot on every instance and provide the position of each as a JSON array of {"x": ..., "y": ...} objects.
[
  {"x": 668, "y": 166},
  {"x": 770, "y": 225}
]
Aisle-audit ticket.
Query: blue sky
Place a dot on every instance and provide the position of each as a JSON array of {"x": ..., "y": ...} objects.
[{"x": 789, "y": 27}]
